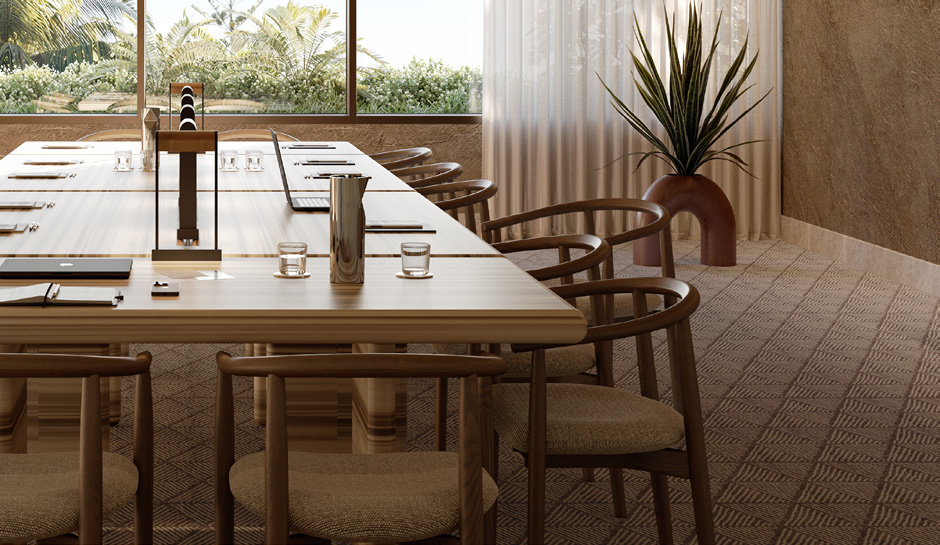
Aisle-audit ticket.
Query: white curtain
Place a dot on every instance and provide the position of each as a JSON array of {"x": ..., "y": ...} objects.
[{"x": 550, "y": 134}]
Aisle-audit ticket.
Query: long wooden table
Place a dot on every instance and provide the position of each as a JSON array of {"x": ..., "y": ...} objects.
[{"x": 476, "y": 295}]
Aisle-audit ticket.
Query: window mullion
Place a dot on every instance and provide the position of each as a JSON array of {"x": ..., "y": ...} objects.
[{"x": 351, "y": 58}]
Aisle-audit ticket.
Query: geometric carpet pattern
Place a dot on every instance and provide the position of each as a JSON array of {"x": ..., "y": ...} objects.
[{"x": 820, "y": 390}]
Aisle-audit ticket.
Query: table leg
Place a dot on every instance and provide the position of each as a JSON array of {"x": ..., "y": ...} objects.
[{"x": 379, "y": 410}]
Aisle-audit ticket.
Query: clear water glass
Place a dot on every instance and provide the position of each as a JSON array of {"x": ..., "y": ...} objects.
[
  {"x": 229, "y": 160},
  {"x": 254, "y": 160},
  {"x": 415, "y": 258},
  {"x": 122, "y": 160},
  {"x": 292, "y": 258}
]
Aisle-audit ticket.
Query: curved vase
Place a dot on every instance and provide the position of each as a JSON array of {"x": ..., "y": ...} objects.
[{"x": 707, "y": 202}]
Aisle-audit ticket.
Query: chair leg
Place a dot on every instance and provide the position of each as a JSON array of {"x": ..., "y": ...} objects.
[
  {"x": 617, "y": 492},
  {"x": 489, "y": 518},
  {"x": 587, "y": 474},
  {"x": 537, "y": 448},
  {"x": 662, "y": 508},
  {"x": 440, "y": 415}
]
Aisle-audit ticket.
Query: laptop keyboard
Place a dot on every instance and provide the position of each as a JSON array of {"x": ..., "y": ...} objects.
[{"x": 312, "y": 202}]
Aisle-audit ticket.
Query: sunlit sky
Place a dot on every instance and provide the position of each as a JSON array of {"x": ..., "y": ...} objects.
[{"x": 449, "y": 30}]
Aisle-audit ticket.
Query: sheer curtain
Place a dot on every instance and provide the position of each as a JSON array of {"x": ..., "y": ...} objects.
[{"x": 550, "y": 134}]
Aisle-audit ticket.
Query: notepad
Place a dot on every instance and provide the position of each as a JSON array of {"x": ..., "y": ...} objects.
[
  {"x": 334, "y": 163},
  {"x": 12, "y": 227},
  {"x": 311, "y": 146},
  {"x": 66, "y": 146},
  {"x": 331, "y": 174},
  {"x": 38, "y": 175},
  {"x": 53, "y": 162},
  {"x": 24, "y": 205},
  {"x": 55, "y": 294},
  {"x": 398, "y": 226}
]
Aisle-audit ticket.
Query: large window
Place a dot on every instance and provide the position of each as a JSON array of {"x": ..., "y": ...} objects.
[
  {"x": 282, "y": 57},
  {"x": 68, "y": 56},
  {"x": 420, "y": 56},
  {"x": 255, "y": 56}
]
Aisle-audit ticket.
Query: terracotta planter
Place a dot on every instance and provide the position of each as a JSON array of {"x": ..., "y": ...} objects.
[{"x": 707, "y": 202}]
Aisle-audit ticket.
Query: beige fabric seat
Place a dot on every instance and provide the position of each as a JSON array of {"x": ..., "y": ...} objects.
[
  {"x": 380, "y": 497},
  {"x": 39, "y": 493},
  {"x": 586, "y": 419},
  {"x": 559, "y": 362},
  {"x": 623, "y": 302}
]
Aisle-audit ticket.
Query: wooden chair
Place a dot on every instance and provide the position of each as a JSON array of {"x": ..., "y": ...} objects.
[
  {"x": 402, "y": 158},
  {"x": 252, "y": 134},
  {"x": 564, "y": 362},
  {"x": 387, "y": 498},
  {"x": 44, "y": 496},
  {"x": 464, "y": 195},
  {"x": 428, "y": 175},
  {"x": 580, "y": 425},
  {"x": 622, "y": 304},
  {"x": 112, "y": 135}
]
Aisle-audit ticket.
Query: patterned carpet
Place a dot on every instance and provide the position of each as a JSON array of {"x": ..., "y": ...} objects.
[{"x": 820, "y": 387}]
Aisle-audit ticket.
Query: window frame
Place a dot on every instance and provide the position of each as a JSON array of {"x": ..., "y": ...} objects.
[{"x": 351, "y": 117}]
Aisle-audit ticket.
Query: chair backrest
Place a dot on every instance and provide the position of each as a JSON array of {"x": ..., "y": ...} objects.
[
  {"x": 251, "y": 134},
  {"x": 492, "y": 230},
  {"x": 91, "y": 369},
  {"x": 427, "y": 175},
  {"x": 466, "y": 195},
  {"x": 112, "y": 135},
  {"x": 402, "y": 158},
  {"x": 277, "y": 368},
  {"x": 682, "y": 300}
]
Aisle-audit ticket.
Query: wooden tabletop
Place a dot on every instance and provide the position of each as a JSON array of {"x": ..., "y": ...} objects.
[
  {"x": 108, "y": 148},
  {"x": 250, "y": 225},
  {"x": 473, "y": 300},
  {"x": 475, "y": 296},
  {"x": 96, "y": 173}
]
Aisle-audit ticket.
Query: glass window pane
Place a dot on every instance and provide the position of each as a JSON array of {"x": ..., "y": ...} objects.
[
  {"x": 68, "y": 56},
  {"x": 255, "y": 56},
  {"x": 419, "y": 56}
]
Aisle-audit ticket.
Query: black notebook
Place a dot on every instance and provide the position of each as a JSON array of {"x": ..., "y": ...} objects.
[{"x": 55, "y": 294}]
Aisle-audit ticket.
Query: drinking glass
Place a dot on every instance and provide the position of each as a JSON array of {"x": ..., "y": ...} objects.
[
  {"x": 292, "y": 258},
  {"x": 253, "y": 160},
  {"x": 122, "y": 160},
  {"x": 229, "y": 160},
  {"x": 415, "y": 258}
]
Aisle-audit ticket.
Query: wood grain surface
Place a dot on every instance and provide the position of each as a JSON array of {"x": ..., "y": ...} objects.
[
  {"x": 469, "y": 300},
  {"x": 251, "y": 225},
  {"x": 96, "y": 173},
  {"x": 108, "y": 148}
]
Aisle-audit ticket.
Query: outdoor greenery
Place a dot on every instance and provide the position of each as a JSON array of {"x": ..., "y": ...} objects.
[
  {"x": 692, "y": 127},
  {"x": 289, "y": 58}
]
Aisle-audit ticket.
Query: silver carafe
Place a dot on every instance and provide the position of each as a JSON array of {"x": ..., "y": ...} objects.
[
  {"x": 150, "y": 121},
  {"x": 347, "y": 229}
]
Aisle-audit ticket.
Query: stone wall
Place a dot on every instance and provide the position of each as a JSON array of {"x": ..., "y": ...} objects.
[
  {"x": 458, "y": 143},
  {"x": 861, "y": 109}
]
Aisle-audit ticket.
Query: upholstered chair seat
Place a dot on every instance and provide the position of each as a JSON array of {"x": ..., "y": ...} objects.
[
  {"x": 390, "y": 497},
  {"x": 39, "y": 493},
  {"x": 564, "y": 361}
]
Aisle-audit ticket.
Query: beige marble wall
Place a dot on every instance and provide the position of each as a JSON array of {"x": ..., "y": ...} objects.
[
  {"x": 861, "y": 120},
  {"x": 458, "y": 143}
]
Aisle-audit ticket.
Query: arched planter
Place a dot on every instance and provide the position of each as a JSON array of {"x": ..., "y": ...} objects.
[{"x": 707, "y": 202}]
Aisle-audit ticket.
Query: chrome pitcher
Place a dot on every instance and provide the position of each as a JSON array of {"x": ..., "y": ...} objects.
[
  {"x": 150, "y": 121},
  {"x": 347, "y": 229}
]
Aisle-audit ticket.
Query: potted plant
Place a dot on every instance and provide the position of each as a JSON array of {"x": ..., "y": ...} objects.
[{"x": 692, "y": 129}]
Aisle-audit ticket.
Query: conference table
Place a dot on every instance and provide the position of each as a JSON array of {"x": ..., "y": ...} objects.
[{"x": 476, "y": 295}]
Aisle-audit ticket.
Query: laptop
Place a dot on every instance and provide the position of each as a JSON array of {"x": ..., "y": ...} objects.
[
  {"x": 54, "y": 267},
  {"x": 298, "y": 204}
]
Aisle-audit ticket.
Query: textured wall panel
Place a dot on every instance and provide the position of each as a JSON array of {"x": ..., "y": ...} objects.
[{"x": 861, "y": 120}]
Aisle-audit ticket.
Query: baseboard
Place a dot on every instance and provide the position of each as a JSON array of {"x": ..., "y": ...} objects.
[{"x": 919, "y": 274}]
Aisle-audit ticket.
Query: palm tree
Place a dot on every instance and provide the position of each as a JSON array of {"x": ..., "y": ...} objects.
[
  {"x": 29, "y": 27},
  {"x": 293, "y": 38}
]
